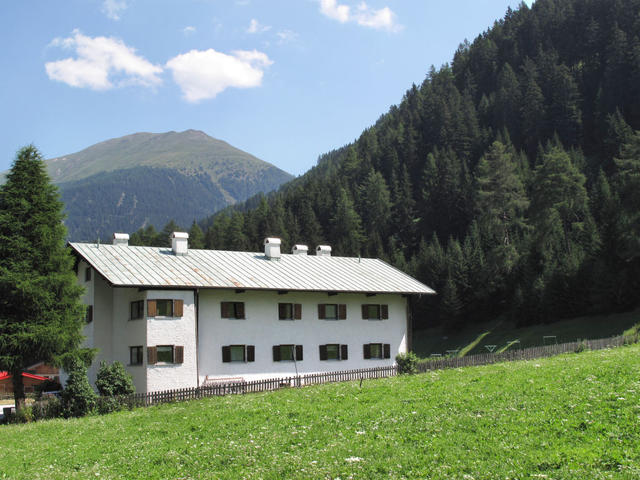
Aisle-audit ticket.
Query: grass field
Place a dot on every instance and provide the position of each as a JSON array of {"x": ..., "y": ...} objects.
[
  {"x": 502, "y": 333},
  {"x": 575, "y": 416}
]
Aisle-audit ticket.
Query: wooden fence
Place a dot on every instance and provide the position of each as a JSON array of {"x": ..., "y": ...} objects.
[
  {"x": 270, "y": 384},
  {"x": 521, "y": 354}
]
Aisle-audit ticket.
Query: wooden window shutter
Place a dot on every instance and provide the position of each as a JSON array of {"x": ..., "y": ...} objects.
[
  {"x": 366, "y": 350},
  {"x": 251, "y": 353},
  {"x": 282, "y": 311},
  {"x": 89, "y": 315},
  {"x": 226, "y": 354},
  {"x": 342, "y": 311},
  {"x": 178, "y": 354},
  {"x": 344, "y": 352},
  {"x": 152, "y": 309},
  {"x": 365, "y": 315},
  {"x": 298, "y": 353},
  {"x": 297, "y": 311},
  {"x": 276, "y": 353},
  {"x": 178, "y": 308},
  {"x": 224, "y": 309},
  {"x": 239, "y": 309},
  {"x": 387, "y": 350},
  {"x": 323, "y": 352},
  {"x": 152, "y": 355},
  {"x": 384, "y": 312},
  {"x": 321, "y": 311}
]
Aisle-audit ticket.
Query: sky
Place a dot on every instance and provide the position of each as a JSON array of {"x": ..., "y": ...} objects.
[{"x": 285, "y": 80}]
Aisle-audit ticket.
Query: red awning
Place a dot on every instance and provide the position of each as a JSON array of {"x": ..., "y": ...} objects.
[{"x": 6, "y": 375}]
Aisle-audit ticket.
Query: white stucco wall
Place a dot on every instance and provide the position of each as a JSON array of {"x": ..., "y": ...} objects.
[
  {"x": 173, "y": 331},
  {"x": 262, "y": 329}
]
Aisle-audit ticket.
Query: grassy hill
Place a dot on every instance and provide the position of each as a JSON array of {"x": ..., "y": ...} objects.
[
  {"x": 504, "y": 335},
  {"x": 130, "y": 182},
  {"x": 573, "y": 416}
]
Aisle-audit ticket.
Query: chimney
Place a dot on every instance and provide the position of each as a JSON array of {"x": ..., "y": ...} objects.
[
  {"x": 121, "y": 239},
  {"x": 272, "y": 247},
  {"x": 180, "y": 243},
  {"x": 323, "y": 251},
  {"x": 299, "y": 249}
]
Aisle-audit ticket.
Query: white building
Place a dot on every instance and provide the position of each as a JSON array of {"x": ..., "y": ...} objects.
[{"x": 177, "y": 317}]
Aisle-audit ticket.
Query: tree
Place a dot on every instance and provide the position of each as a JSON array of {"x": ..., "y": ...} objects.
[
  {"x": 196, "y": 236},
  {"x": 41, "y": 317}
]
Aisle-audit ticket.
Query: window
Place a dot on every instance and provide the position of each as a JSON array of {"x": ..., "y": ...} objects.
[
  {"x": 289, "y": 311},
  {"x": 165, "y": 308},
  {"x": 165, "y": 354},
  {"x": 332, "y": 311},
  {"x": 283, "y": 353},
  {"x": 137, "y": 310},
  {"x": 375, "y": 312},
  {"x": 334, "y": 351},
  {"x": 87, "y": 274},
  {"x": 232, "y": 310},
  {"x": 376, "y": 350},
  {"x": 88, "y": 315},
  {"x": 238, "y": 353},
  {"x": 135, "y": 355}
]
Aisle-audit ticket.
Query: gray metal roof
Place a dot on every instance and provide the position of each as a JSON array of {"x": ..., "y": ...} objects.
[{"x": 123, "y": 265}]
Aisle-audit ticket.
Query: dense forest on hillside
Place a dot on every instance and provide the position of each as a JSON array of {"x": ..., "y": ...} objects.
[{"x": 509, "y": 180}]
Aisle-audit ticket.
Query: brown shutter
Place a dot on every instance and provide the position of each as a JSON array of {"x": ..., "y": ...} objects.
[
  {"x": 364, "y": 312},
  {"x": 384, "y": 312},
  {"x": 366, "y": 350},
  {"x": 226, "y": 354},
  {"x": 282, "y": 311},
  {"x": 321, "y": 311},
  {"x": 152, "y": 355},
  {"x": 89, "y": 315},
  {"x": 298, "y": 353},
  {"x": 178, "y": 354},
  {"x": 344, "y": 352},
  {"x": 239, "y": 309},
  {"x": 297, "y": 311},
  {"x": 387, "y": 350},
  {"x": 178, "y": 308},
  {"x": 323, "y": 352},
  {"x": 151, "y": 308},
  {"x": 342, "y": 311},
  {"x": 251, "y": 353},
  {"x": 276, "y": 353},
  {"x": 224, "y": 310}
]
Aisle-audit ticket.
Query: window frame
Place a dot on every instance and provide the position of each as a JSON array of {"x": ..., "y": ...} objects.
[
  {"x": 341, "y": 311},
  {"x": 296, "y": 353},
  {"x": 87, "y": 273},
  {"x": 140, "y": 304},
  {"x": 289, "y": 311},
  {"x": 139, "y": 355},
  {"x": 238, "y": 313},
  {"x": 385, "y": 351},
  {"x": 381, "y": 311},
  {"x": 249, "y": 353},
  {"x": 164, "y": 301},
  {"x": 173, "y": 357}
]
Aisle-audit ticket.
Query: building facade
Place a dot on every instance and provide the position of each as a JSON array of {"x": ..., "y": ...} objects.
[{"x": 180, "y": 318}]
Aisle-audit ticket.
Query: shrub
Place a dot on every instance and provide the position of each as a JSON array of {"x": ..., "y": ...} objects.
[
  {"x": 632, "y": 335},
  {"x": 78, "y": 398},
  {"x": 407, "y": 363},
  {"x": 50, "y": 407},
  {"x": 47, "y": 386},
  {"x": 24, "y": 415},
  {"x": 582, "y": 346},
  {"x": 113, "y": 380}
]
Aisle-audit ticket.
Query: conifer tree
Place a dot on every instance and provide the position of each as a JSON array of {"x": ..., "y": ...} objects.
[{"x": 41, "y": 317}]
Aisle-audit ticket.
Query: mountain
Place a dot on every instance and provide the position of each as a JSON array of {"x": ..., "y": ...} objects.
[
  {"x": 130, "y": 182},
  {"x": 508, "y": 180}
]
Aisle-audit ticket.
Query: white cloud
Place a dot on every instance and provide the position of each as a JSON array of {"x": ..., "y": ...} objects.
[
  {"x": 365, "y": 16},
  {"x": 112, "y": 8},
  {"x": 331, "y": 9},
  {"x": 256, "y": 27},
  {"x": 203, "y": 74},
  {"x": 189, "y": 30},
  {"x": 101, "y": 63},
  {"x": 286, "y": 36}
]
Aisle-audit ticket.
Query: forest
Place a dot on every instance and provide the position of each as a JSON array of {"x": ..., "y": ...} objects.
[{"x": 508, "y": 181}]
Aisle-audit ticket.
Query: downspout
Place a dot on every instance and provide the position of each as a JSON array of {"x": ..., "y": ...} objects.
[
  {"x": 196, "y": 295},
  {"x": 409, "y": 324}
]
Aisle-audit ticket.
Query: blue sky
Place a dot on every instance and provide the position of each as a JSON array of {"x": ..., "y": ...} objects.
[{"x": 283, "y": 80}]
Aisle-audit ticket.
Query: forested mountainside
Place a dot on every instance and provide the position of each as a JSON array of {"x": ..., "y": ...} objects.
[
  {"x": 127, "y": 183},
  {"x": 508, "y": 180}
]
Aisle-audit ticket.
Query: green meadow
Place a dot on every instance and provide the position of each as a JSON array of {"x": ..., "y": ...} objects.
[{"x": 575, "y": 416}]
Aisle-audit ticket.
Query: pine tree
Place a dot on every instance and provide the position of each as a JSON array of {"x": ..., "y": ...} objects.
[
  {"x": 41, "y": 317},
  {"x": 196, "y": 236}
]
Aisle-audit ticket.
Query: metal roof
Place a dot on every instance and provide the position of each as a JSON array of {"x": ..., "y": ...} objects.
[{"x": 123, "y": 265}]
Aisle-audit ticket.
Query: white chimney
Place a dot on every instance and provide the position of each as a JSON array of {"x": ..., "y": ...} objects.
[
  {"x": 121, "y": 239},
  {"x": 272, "y": 247},
  {"x": 180, "y": 243},
  {"x": 323, "y": 251},
  {"x": 299, "y": 249}
]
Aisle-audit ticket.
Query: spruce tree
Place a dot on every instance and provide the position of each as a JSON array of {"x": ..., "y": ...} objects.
[{"x": 41, "y": 317}]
